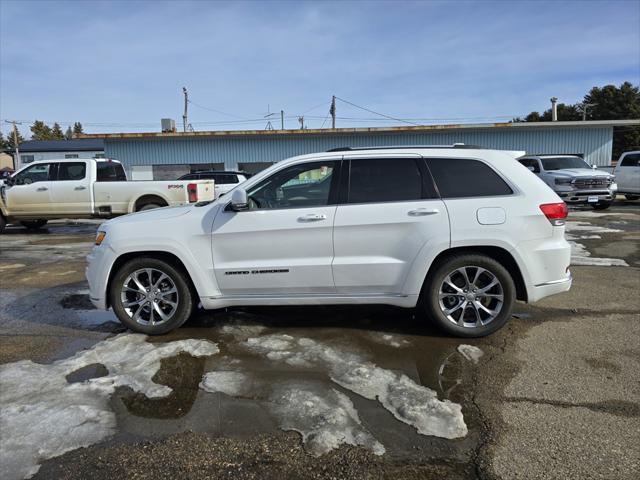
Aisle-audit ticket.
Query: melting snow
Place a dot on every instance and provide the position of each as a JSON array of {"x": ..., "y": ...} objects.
[
  {"x": 43, "y": 416},
  {"x": 389, "y": 339},
  {"x": 471, "y": 353},
  {"x": 11, "y": 266},
  {"x": 581, "y": 256},
  {"x": 325, "y": 417},
  {"x": 588, "y": 227},
  {"x": 230, "y": 383},
  {"x": 409, "y": 402}
]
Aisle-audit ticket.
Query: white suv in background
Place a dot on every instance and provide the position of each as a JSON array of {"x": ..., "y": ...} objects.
[
  {"x": 460, "y": 232},
  {"x": 627, "y": 174}
]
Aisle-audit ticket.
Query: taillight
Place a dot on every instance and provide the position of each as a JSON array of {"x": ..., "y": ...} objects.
[
  {"x": 556, "y": 213},
  {"x": 192, "y": 190}
]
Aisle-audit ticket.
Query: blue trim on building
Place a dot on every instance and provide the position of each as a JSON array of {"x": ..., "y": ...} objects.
[{"x": 594, "y": 143}]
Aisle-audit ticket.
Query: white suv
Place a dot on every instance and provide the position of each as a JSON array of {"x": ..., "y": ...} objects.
[{"x": 460, "y": 232}]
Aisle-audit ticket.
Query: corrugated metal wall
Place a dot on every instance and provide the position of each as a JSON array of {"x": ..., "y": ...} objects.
[{"x": 594, "y": 143}]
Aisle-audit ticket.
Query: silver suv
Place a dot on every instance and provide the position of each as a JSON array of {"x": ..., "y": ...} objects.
[{"x": 573, "y": 179}]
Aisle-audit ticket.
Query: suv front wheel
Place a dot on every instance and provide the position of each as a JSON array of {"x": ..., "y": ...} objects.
[
  {"x": 150, "y": 296},
  {"x": 469, "y": 295}
]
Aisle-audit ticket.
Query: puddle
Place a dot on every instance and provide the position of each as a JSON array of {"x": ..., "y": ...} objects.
[
  {"x": 93, "y": 370},
  {"x": 88, "y": 317}
]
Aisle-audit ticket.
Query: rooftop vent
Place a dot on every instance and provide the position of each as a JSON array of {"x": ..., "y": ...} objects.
[{"x": 168, "y": 125}]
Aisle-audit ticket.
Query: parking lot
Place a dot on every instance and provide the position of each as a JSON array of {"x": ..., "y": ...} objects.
[{"x": 331, "y": 392}]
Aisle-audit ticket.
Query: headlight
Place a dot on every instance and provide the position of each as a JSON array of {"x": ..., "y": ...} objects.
[
  {"x": 100, "y": 237},
  {"x": 563, "y": 181}
]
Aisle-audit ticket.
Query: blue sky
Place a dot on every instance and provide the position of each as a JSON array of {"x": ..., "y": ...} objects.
[{"x": 120, "y": 66}]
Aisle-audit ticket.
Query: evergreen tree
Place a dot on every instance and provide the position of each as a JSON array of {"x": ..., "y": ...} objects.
[
  {"x": 9, "y": 140},
  {"x": 4, "y": 144},
  {"x": 56, "y": 132},
  {"x": 77, "y": 128},
  {"x": 40, "y": 131}
]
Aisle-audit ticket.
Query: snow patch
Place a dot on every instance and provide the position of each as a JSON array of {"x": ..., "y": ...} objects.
[
  {"x": 230, "y": 383},
  {"x": 11, "y": 266},
  {"x": 325, "y": 417},
  {"x": 43, "y": 416},
  {"x": 581, "y": 256},
  {"x": 470, "y": 353},
  {"x": 389, "y": 339},
  {"x": 409, "y": 402},
  {"x": 588, "y": 227}
]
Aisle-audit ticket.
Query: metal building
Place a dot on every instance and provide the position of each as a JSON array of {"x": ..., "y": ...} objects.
[{"x": 168, "y": 155}]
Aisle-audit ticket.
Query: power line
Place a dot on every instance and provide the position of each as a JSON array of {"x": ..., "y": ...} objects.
[
  {"x": 216, "y": 111},
  {"x": 375, "y": 113}
]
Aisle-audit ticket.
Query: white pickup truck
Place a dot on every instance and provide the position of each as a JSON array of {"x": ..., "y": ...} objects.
[{"x": 78, "y": 188}]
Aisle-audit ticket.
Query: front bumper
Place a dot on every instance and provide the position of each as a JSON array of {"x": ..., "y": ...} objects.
[
  {"x": 99, "y": 263},
  {"x": 587, "y": 196}
]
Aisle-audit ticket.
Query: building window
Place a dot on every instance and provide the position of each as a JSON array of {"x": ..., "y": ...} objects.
[
  {"x": 99, "y": 155},
  {"x": 27, "y": 158},
  {"x": 70, "y": 155}
]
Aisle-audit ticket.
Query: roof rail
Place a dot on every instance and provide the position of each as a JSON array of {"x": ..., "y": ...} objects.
[{"x": 399, "y": 147}]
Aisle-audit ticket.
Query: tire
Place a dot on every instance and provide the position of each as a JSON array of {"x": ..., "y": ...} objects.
[
  {"x": 3, "y": 223},
  {"x": 632, "y": 197},
  {"x": 34, "y": 224},
  {"x": 465, "y": 319},
  {"x": 133, "y": 306},
  {"x": 148, "y": 206},
  {"x": 601, "y": 205}
]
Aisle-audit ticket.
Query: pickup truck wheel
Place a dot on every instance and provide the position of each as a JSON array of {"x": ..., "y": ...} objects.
[
  {"x": 632, "y": 197},
  {"x": 150, "y": 296},
  {"x": 469, "y": 296},
  {"x": 34, "y": 224},
  {"x": 601, "y": 205},
  {"x": 149, "y": 206}
]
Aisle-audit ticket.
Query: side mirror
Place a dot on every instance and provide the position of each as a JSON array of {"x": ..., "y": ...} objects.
[
  {"x": 595, "y": 167},
  {"x": 532, "y": 168},
  {"x": 239, "y": 200}
]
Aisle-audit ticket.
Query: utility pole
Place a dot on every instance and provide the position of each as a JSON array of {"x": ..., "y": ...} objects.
[
  {"x": 281, "y": 119},
  {"x": 585, "y": 106},
  {"x": 17, "y": 163},
  {"x": 184, "y": 117},
  {"x": 554, "y": 109},
  {"x": 301, "y": 120},
  {"x": 332, "y": 110}
]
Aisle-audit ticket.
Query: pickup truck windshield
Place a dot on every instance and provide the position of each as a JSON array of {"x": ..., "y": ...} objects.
[{"x": 560, "y": 163}]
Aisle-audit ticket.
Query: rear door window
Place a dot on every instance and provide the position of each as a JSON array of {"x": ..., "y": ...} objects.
[
  {"x": 458, "y": 177},
  {"x": 380, "y": 180},
  {"x": 110, "y": 172}
]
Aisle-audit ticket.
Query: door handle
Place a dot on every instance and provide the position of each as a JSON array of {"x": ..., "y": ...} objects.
[
  {"x": 80, "y": 188},
  {"x": 312, "y": 217},
  {"x": 41, "y": 189},
  {"x": 421, "y": 212}
]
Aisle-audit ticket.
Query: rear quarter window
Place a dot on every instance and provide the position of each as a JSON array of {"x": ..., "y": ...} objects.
[
  {"x": 456, "y": 177},
  {"x": 110, "y": 172}
]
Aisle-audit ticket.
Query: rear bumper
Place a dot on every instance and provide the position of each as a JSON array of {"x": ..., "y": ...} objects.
[{"x": 553, "y": 287}]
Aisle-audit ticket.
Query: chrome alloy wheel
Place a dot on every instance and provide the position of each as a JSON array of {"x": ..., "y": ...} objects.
[
  {"x": 149, "y": 296},
  {"x": 471, "y": 296}
]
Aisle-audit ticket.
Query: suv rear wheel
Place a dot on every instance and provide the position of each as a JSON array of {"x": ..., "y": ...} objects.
[
  {"x": 150, "y": 296},
  {"x": 469, "y": 295}
]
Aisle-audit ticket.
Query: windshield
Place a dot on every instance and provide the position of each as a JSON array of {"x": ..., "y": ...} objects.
[{"x": 559, "y": 163}]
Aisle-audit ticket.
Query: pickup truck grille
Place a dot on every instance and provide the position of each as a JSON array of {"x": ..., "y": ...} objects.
[{"x": 583, "y": 183}]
